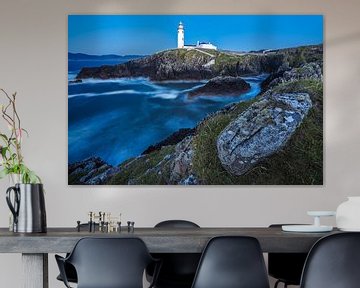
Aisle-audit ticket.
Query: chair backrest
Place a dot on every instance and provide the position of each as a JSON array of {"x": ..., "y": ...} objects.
[
  {"x": 176, "y": 224},
  {"x": 110, "y": 262},
  {"x": 178, "y": 267},
  {"x": 333, "y": 262},
  {"x": 232, "y": 262},
  {"x": 286, "y": 266}
]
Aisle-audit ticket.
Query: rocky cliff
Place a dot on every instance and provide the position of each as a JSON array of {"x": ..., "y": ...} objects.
[
  {"x": 182, "y": 64},
  {"x": 91, "y": 171},
  {"x": 178, "y": 64},
  {"x": 276, "y": 138}
]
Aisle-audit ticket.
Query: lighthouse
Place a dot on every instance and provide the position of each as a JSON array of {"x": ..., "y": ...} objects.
[
  {"x": 181, "y": 35},
  {"x": 199, "y": 45}
]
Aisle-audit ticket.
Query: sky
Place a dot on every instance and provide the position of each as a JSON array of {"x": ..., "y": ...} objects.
[{"x": 147, "y": 34}]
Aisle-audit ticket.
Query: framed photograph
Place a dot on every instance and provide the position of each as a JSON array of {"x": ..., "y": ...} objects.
[{"x": 195, "y": 99}]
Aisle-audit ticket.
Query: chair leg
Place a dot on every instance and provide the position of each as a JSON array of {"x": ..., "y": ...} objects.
[{"x": 278, "y": 282}]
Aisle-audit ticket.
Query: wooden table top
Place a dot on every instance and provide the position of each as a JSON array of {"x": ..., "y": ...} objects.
[{"x": 158, "y": 240}]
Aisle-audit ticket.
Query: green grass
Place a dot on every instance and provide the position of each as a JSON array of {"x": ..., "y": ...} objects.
[
  {"x": 136, "y": 169},
  {"x": 228, "y": 63},
  {"x": 205, "y": 162},
  {"x": 223, "y": 59},
  {"x": 299, "y": 163},
  {"x": 184, "y": 54},
  {"x": 305, "y": 54}
]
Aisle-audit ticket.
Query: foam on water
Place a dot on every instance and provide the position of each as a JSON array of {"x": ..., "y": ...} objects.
[
  {"x": 105, "y": 93},
  {"x": 117, "y": 119},
  {"x": 137, "y": 80},
  {"x": 165, "y": 95}
]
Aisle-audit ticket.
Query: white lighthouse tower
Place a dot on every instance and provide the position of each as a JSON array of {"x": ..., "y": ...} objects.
[{"x": 181, "y": 36}]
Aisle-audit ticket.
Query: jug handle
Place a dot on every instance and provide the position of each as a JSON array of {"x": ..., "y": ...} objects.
[{"x": 13, "y": 208}]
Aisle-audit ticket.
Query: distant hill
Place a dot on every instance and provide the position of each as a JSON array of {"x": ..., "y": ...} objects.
[{"x": 82, "y": 56}]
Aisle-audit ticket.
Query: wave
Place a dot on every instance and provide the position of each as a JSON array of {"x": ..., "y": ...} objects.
[
  {"x": 260, "y": 77},
  {"x": 148, "y": 82},
  {"x": 105, "y": 93},
  {"x": 180, "y": 81},
  {"x": 217, "y": 98},
  {"x": 114, "y": 80},
  {"x": 165, "y": 94},
  {"x": 228, "y": 98},
  {"x": 164, "y": 91},
  {"x": 193, "y": 88}
]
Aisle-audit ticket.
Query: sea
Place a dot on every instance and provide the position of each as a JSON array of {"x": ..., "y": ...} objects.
[{"x": 118, "y": 119}]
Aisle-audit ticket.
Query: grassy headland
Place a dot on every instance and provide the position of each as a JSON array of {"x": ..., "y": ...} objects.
[{"x": 299, "y": 162}]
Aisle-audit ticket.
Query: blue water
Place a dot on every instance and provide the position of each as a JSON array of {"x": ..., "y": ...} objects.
[{"x": 118, "y": 119}]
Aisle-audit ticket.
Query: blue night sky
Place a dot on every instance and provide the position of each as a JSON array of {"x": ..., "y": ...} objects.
[{"x": 139, "y": 34}]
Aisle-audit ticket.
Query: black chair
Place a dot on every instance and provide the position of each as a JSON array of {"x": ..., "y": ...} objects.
[
  {"x": 69, "y": 269},
  {"x": 70, "y": 273},
  {"x": 232, "y": 262},
  {"x": 108, "y": 263},
  {"x": 333, "y": 262},
  {"x": 178, "y": 269},
  {"x": 286, "y": 267}
]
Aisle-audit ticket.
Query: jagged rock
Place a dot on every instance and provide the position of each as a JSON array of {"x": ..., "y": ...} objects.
[
  {"x": 166, "y": 65},
  {"x": 85, "y": 165},
  {"x": 284, "y": 67},
  {"x": 261, "y": 130},
  {"x": 265, "y": 85},
  {"x": 133, "y": 182},
  {"x": 98, "y": 176},
  {"x": 173, "y": 139},
  {"x": 227, "y": 85},
  {"x": 190, "y": 180},
  {"x": 92, "y": 171},
  {"x": 181, "y": 64},
  {"x": 76, "y": 81},
  {"x": 311, "y": 71},
  {"x": 182, "y": 166},
  {"x": 307, "y": 71},
  {"x": 158, "y": 169}
]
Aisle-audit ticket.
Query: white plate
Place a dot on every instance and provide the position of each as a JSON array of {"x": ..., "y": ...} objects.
[
  {"x": 306, "y": 228},
  {"x": 321, "y": 213}
]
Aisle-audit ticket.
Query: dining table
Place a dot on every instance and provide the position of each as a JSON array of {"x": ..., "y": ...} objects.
[{"x": 35, "y": 247}]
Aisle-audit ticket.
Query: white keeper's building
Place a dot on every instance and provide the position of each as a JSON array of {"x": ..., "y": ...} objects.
[{"x": 181, "y": 41}]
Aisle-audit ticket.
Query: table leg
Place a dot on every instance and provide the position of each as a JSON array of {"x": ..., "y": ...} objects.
[{"x": 35, "y": 270}]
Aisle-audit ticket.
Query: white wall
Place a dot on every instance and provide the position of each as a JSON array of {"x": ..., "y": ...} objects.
[{"x": 33, "y": 62}]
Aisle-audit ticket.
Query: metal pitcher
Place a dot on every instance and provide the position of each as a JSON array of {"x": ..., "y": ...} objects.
[{"x": 28, "y": 208}]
